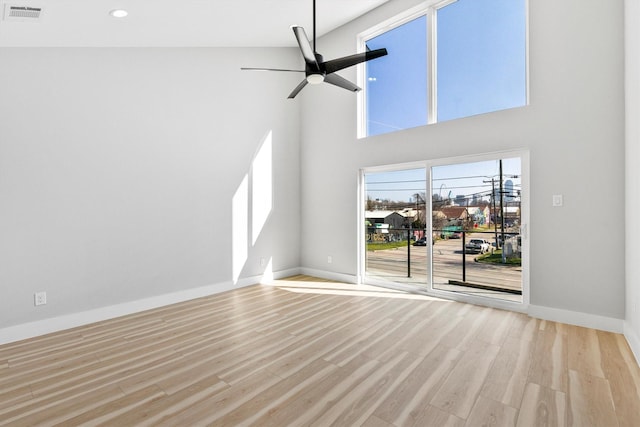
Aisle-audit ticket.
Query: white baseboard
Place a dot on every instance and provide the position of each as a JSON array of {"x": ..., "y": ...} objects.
[
  {"x": 329, "y": 275},
  {"x": 633, "y": 339},
  {"x": 268, "y": 278},
  {"x": 55, "y": 324},
  {"x": 577, "y": 318},
  {"x": 72, "y": 320}
]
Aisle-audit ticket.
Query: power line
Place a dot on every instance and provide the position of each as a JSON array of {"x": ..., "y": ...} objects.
[
  {"x": 396, "y": 189},
  {"x": 459, "y": 177},
  {"x": 397, "y": 181}
]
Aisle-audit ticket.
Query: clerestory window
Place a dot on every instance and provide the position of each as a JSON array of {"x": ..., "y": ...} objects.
[{"x": 447, "y": 60}]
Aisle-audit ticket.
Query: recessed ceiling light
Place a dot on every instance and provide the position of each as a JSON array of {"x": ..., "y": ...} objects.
[{"x": 118, "y": 13}]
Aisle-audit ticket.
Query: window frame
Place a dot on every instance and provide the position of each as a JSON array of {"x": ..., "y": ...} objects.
[
  {"x": 525, "y": 175},
  {"x": 429, "y": 9}
]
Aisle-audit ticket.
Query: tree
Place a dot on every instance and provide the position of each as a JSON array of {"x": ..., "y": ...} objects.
[{"x": 371, "y": 204}]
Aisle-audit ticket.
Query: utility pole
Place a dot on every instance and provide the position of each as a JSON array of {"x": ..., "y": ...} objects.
[
  {"x": 493, "y": 210},
  {"x": 502, "y": 214},
  {"x": 499, "y": 244}
]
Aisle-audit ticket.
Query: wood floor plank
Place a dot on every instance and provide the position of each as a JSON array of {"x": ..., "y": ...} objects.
[
  {"x": 413, "y": 394},
  {"x": 272, "y": 398},
  {"x": 62, "y": 410},
  {"x": 374, "y": 421},
  {"x": 466, "y": 329},
  {"x": 621, "y": 379},
  {"x": 349, "y": 349},
  {"x": 584, "y": 354},
  {"x": 426, "y": 335},
  {"x": 12, "y": 397},
  {"x": 488, "y": 412},
  {"x": 376, "y": 345},
  {"x": 104, "y": 412},
  {"x": 629, "y": 360},
  {"x": 16, "y": 378},
  {"x": 430, "y": 416},
  {"x": 308, "y": 406},
  {"x": 524, "y": 327},
  {"x": 496, "y": 327},
  {"x": 542, "y": 406},
  {"x": 305, "y": 350},
  {"x": 265, "y": 351},
  {"x": 150, "y": 413},
  {"x": 507, "y": 378},
  {"x": 549, "y": 359},
  {"x": 356, "y": 406},
  {"x": 590, "y": 401},
  {"x": 209, "y": 410},
  {"x": 458, "y": 393}
]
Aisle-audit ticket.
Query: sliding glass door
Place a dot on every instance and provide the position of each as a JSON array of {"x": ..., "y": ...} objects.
[
  {"x": 395, "y": 224},
  {"x": 447, "y": 227}
]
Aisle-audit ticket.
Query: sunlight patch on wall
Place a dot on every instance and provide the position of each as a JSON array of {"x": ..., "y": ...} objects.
[
  {"x": 240, "y": 228},
  {"x": 267, "y": 275},
  {"x": 262, "y": 187}
]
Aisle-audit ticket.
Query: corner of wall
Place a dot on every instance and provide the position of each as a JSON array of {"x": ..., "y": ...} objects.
[
  {"x": 329, "y": 275},
  {"x": 586, "y": 320},
  {"x": 633, "y": 340},
  {"x": 632, "y": 175}
]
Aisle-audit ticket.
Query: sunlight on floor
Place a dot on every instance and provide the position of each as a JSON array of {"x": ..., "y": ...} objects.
[{"x": 312, "y": 286}]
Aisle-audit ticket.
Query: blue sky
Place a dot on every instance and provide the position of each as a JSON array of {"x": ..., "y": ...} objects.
[
  {"x": 397, "y": 83},
  {"x": 481, "y": 57},
  {"x": 481, "y": 65}
]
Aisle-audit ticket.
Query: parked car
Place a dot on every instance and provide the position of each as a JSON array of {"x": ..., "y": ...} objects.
[
  {"x": 477, "y": 245},
  {"x": 420, "y": 242},
  {"x": 423, "y": 242}
]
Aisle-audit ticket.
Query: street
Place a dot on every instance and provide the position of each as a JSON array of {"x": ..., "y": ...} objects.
[{"x": 391, "y": 264}]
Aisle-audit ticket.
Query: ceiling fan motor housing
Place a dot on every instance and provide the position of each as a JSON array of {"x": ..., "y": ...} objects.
[{"x": 315, "y": 75}]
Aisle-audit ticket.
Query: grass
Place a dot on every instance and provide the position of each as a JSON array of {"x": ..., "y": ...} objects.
[
  {"x": 385, "y": 245},
  {"x": 496, "y": 258}
]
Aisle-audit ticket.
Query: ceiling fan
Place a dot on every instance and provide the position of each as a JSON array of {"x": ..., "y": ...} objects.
[{"x": 316, "y": 69}]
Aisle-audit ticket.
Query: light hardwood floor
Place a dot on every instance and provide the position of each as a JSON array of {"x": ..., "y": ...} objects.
[{"x": 310, "y": 352}]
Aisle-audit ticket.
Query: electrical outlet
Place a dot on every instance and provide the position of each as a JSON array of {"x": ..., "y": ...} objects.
[
  {"x": 40, "y": 298},
  {"x": 262, "y": 262},
  {"x": 557, "y": 200},
  {"x": 329, "y": 259}
]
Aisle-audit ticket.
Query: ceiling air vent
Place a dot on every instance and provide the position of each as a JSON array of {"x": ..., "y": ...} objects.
[{"x": 22, "y": 13}]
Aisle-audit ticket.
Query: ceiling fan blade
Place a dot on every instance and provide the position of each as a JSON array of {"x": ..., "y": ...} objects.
[
  {"x": 348, "y": 61},
  {"x": 298, "y": 88},
  {"x": 305, "y": 46},
  {"x": 339, "y": 81},
  {"x": 270, "y": 69}
]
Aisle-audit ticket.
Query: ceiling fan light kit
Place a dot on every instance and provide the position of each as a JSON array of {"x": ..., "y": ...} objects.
[
  {"x": 316, "y": 69},
  {"x": 315, "y": 79}
]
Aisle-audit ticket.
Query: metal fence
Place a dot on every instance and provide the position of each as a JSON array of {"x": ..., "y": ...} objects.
[{"x": 451, "y": 256}]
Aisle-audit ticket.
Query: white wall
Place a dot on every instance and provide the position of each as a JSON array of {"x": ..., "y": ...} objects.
[
  {"x": 632, "y": 113},
  {"x": 118, "y": 168},
  {"x": 573, "y": 128}
]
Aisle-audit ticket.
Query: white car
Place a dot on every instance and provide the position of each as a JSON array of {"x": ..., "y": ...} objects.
[{"x": 477, "y": 245}]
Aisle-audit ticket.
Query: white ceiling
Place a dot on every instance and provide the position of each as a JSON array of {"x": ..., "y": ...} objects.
[{"x": 229, "y": 23}]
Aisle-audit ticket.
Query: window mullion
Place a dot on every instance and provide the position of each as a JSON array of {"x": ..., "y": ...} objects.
[{"x": 432, "y": 99}]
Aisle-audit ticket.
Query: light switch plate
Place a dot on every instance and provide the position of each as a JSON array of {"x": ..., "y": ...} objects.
[{"x": 557, "y": 200}]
